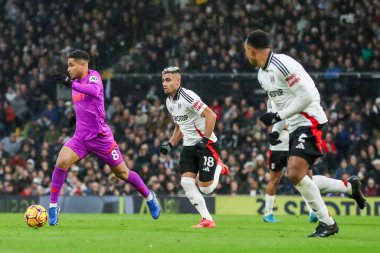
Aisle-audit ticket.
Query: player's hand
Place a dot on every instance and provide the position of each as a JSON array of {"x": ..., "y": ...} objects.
[
  {"x": 202, "y": 144},
  {"x": 273, "y": 138},
  {"x": 61, "y": 78},
  {"x": 270, "y": 118},
  {"x": 166, "y": 148}
]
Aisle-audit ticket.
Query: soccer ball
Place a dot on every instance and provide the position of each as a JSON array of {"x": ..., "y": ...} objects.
[{"x": 35, "y": 216}]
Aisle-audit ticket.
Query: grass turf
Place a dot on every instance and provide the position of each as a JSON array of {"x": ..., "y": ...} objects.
[{"x": 172, "y": 233}]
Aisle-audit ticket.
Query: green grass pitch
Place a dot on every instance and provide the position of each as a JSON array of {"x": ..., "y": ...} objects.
[{"x": 173, "y": 233}]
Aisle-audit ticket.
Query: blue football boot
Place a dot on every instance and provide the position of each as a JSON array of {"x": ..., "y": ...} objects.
[
  {"x": 270, "y": 218},
  {"x": 313, "y": 217},
  {"x": 153, "y": 206},
  {"x": 53, "y": 215}
]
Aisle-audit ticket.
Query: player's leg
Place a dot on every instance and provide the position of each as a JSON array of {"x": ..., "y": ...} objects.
[
  {"x": 122, "y": 172},
  {"x": 72, "y": 152},
  {"x": 270, "y": 194},
  {"x": 189, "y": 169},
  {"x": 210, "y": 168},
  {"x": 297, "y": 174},
  {"x": 277, "y": 161},
  {"x": 312, "y": 215},
  {"x": 304, "y": 149},
  {"x": 197, "y": 200},
  {"x": 105, "y": 147},
  {"x": 351, "y": 187}
]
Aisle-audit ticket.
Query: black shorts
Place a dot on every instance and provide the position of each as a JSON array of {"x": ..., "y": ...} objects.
[
  {"x": 204, "y": 162},
  {"x": 278, "y": 160},
  {"x": 306, "y": 142}
]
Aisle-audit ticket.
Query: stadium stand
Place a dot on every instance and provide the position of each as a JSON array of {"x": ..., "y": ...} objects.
[{"x": 36, "y": 37}]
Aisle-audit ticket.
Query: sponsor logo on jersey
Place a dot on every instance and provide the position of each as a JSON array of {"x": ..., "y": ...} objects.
[
  {"x": 78, "y": 97},
  {"x": 171, "y": 108},
  {"x": 275, "y": 93},
  {"x": 93, "y": 79},
  {"x": 292, "y": 80},
  {"x": 198, "y": 105},
  {"x": 300, "y": 146},
  {"x": 180, "y": 118}
]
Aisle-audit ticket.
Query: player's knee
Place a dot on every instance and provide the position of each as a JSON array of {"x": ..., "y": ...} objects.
[
  {"x": 122, "y": 173},
  {"x": 187, "y": 183},
  {"x": 207, "y": 190},
  {"x": 293, "y": 175},
  {"x": 63, "y": 164}
]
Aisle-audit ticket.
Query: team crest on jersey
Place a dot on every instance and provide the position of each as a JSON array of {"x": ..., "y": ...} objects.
[
  {"x": 179, "y": 106},
  {"x": 271, "y": 79},
  {"x": 93, "y": 79}
]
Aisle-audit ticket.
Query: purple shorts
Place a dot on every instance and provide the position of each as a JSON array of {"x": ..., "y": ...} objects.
[{"x": 103, "y": 146}]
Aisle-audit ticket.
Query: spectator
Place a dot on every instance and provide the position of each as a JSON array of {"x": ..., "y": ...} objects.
[
  {"x": 137, "y": 113},
  {"x": 371, "y": 189},
  {"x": 11, "y": 145}
]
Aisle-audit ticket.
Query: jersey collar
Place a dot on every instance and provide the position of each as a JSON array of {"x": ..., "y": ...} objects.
[
  {"x": 268, "y": 60},
  {"x": 176, "y": 96}
]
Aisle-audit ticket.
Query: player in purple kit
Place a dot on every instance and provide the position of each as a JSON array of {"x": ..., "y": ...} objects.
[{"x": 92, "y": 134}]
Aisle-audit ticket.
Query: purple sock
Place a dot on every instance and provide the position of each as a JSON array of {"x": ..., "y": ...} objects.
[
  {"x": 137, "y": 182},
  {"x": 59, "y": 176}
]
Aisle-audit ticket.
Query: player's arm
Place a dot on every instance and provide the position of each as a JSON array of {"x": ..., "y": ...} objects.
[
  {"x": 303, "y": 98},
  {"x": 210, "y": 118},
  {"x": 92, "y": 88},
  {"x": 274, "y": 130},
  {"x": 299, "y": 86},
  {"x": 203, "y": 110},
  {"x": 279, "y": 126},
  {"x": 176, "y": 136}
]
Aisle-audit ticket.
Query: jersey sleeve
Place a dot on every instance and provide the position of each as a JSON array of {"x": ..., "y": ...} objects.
[
  {"x": 271, "y": 107},
  {"x": 92, "y": 87},
  {"x": 195, "y": 103},
  {"x": 279, "y": 126}
]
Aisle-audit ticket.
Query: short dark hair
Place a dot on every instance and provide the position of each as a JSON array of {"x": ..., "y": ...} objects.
[
  {"x": 259, "y": 39},
  {"x": 79, "y": 55}
]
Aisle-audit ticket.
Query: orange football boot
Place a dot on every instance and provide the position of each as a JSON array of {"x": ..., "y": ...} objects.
[{"x": 203, "y": 223}]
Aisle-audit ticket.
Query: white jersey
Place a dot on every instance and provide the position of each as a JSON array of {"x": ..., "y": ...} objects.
[
  {"x": 281, "y": 78},
  {"x": 284, "y": 134},
  {"x": 186, "y": 108}
]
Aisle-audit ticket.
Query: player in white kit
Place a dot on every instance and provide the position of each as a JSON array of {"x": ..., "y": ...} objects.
[
  {"x": 298, "y": 102},
  {"x": 194, "y": 123},
  {"x": 278, "y": 139}
]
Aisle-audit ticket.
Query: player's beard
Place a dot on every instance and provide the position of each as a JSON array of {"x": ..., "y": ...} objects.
[{"x": 253, "y": 62}]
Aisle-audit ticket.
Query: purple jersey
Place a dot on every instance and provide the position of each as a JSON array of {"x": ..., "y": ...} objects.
[{"x": 88, "y": 102}]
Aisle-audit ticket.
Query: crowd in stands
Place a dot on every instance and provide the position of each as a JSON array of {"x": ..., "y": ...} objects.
[{"x": 36, "y": 37}]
